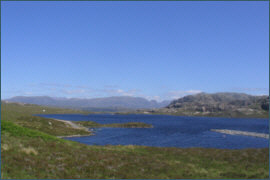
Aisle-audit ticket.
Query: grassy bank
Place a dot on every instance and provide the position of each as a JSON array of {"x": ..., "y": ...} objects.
[
  {"x": 22, "y": 115},
  {"x": 92, "y": 124},
  {"x": 264, "y": 114},
  {"x": 28, "y": 152}
]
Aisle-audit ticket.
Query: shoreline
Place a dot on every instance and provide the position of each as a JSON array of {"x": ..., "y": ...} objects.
[
  {"x": 171, "y": 114},
  {"x": 182, "y": 115},
  {"x": 78, "y": 135},
  {"x": 73, "y": 125}
]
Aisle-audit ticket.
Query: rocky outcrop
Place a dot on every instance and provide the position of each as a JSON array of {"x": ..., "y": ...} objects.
[
  {"x": 220, "y": 101},
  {"x": 219, "y": 104}
]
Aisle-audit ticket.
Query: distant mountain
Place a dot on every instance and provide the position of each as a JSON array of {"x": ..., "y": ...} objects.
[
  {"x": 219, "y": 104},
  {"x": 116, "y": 103}
]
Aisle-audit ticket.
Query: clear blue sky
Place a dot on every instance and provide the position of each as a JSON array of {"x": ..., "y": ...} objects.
[{"x": 157, "y": 50}]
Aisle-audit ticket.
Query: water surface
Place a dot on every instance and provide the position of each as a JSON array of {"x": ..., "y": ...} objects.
[{"x": 172, "y": 131}]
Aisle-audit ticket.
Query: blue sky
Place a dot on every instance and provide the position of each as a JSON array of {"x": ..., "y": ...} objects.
[{"x": 156, "y": 50}]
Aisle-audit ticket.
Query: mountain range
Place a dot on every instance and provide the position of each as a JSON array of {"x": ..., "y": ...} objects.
[
  {"x": 115, "y": 103},
  {"x": 202, "y": 104}
]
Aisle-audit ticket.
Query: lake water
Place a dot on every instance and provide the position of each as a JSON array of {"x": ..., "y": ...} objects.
[{"x": 172, "y": 131}]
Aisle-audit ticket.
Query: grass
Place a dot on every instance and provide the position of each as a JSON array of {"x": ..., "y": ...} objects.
[
  {"x": 18, "y": 131},
  {"x": 91, "y": 124},
  {"x": 22, "y": 115},
  {"x": 28, "y": 153},
  {"x": 30, "y": 109},
  {"x": 234, "y": 114},
  {"x": 49, "y": 126}
]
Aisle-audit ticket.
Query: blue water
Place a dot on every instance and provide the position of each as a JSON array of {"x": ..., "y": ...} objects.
[{"x": 172, "y": 131}]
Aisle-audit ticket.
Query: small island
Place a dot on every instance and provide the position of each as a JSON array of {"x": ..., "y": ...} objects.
[
  {"x": 245, "y": 133},
  {"x": 92, "y": 124}
]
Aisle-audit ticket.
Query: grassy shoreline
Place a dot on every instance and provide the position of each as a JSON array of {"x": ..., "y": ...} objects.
[
  {"x": 213, "y": 115},
  {"x": 30, "y": 154},
  {"x": 30, "y": 149}
]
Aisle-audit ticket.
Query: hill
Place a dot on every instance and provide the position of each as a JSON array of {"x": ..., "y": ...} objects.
[
  {"x": 116, "y": 103},
  {"x": 219, "y": 104}
]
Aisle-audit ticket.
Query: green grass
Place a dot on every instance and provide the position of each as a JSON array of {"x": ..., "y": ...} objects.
[
  {"x": 28, "y": 153},
  {"x": 91, "y": 124},
  {"x": 49, "y": 126},
  {"x": 18, "y": 131},
  {"x": 30, "y": 109},
  {"x": 22, "y": 115}
]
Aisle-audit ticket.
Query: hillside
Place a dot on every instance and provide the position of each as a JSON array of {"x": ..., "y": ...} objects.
[
  {"x": 116, "y": 103},
  {"x": 219, "y": 104}
]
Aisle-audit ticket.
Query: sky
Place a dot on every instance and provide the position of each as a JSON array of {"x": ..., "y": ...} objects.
[{"x": 156, "y": 50}]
